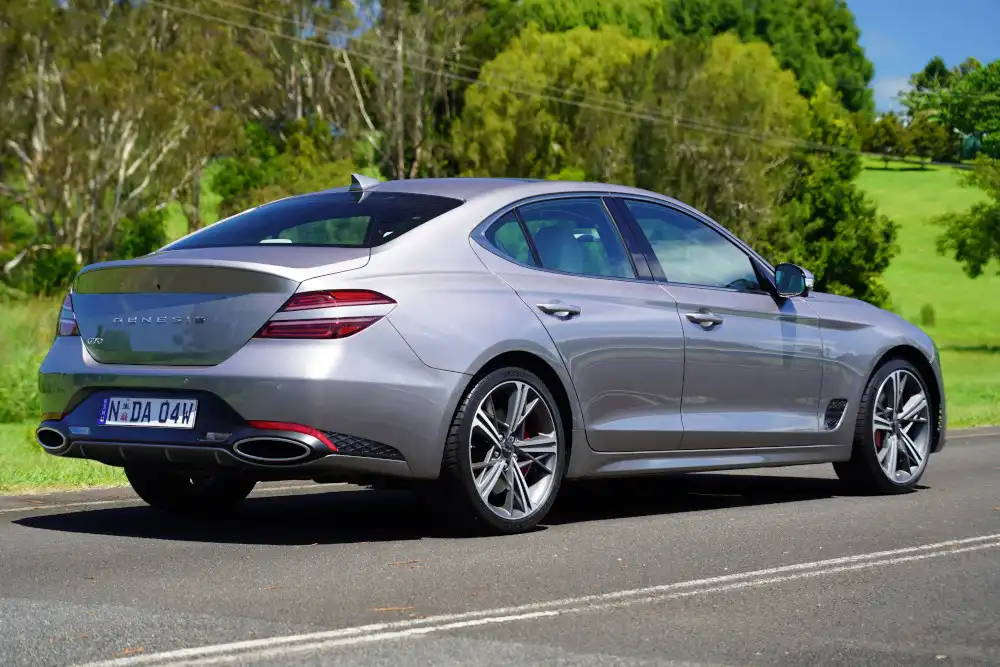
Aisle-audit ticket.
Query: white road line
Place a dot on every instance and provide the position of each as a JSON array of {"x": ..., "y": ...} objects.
[
  {"x": 133, "y": 501},
  {"x": 273, "y": 646}
]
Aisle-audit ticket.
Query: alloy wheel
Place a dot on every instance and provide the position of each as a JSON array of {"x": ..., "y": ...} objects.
[
  {"x": 513, "y": 450},
  {"x": 901, "y": 426}
]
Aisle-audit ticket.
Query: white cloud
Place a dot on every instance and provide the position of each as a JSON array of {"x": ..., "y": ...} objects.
[{"x": 887, "y": 90}]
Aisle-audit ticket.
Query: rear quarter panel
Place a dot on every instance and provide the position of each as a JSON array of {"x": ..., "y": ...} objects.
[{"x": 452, "y": 311}]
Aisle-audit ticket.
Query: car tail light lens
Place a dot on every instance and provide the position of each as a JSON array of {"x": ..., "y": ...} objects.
[
  {"x": 67, "y": 319},
  {"x": 325, "y": 328},
  {"x": 333, "y": 298},
  {"x": 316, "y": 329},
  {"x": 294, "y": 428}
]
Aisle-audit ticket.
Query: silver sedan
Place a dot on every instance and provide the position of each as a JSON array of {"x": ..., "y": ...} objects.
[{"x": 483, "y": 338}]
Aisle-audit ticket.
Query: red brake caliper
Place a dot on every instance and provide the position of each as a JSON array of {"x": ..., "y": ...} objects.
[{"x": 526, "y": 464}]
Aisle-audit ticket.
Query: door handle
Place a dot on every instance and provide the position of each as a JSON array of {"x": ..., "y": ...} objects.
[
  {"x": 559, "y": 309},
  {"x": 705, "y": 318}
]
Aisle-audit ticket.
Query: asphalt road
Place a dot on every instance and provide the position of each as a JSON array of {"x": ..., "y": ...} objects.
[{"x": 750, "y": 568}]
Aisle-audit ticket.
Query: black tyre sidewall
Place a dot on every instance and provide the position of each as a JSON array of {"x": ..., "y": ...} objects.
[
  {"x": 166, "y": 490},
  {"x": 463, "y": 464},
  {"x": 868, "y": 471}
]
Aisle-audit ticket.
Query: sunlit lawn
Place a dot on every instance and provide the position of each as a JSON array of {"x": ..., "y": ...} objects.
[{"x": 967, "y": 311}]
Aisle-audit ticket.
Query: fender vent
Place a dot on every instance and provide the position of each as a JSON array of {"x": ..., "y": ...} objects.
[{"x": 834, "y": 413}]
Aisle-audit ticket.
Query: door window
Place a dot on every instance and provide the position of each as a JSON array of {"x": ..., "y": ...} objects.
[
  {"x": 690, "y": 251},
  {"x": 577, "y": 236}
]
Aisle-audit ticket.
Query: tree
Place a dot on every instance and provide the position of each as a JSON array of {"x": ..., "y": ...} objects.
[
  {"x": 300, "y": 157},
  {"x": 413, "y": 80},
  {"x": 816, "y": 39},
  {"x": 117, "y": 108},
  {"x": 512, "y": 125},
  {"x": 732, "y": 115},
  {"x": 973, "y": 237},
  {"x": 929, "y": 138},
  {"x": 972, "y": 106},
  {"x": 828, "y": 223},
  {"x": 887, "y": 137}
]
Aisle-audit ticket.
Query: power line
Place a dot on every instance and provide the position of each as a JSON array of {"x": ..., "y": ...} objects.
[{"x": 640, "y": 114}]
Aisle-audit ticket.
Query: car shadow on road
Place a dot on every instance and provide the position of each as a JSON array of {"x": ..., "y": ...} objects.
[{"x": 358, "y": 515}]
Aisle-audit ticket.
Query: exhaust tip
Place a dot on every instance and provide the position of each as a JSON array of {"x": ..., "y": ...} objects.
[
  {"x": 271, "y": 450},
  {"x": 50, "y": 439}
]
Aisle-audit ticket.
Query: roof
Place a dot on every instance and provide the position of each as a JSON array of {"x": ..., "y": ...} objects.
[{"x": 472, "y": 188}]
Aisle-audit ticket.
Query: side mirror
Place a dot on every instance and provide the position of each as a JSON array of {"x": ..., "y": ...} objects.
[{"x": 792, "y": 280}]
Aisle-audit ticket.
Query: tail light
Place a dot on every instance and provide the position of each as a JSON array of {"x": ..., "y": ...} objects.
[
  {"x": 334, "y": 298},
  {"x": 325, "y": 328},
  {"x": 67, "y": 319}
]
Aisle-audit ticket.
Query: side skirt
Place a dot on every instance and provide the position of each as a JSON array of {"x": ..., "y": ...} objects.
[{"x": 586, "y": 463}]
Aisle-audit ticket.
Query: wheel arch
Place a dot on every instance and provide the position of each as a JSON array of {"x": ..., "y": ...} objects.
[
  {"x": 920, "y": 361},
  {"x": 564, "y": 396}
]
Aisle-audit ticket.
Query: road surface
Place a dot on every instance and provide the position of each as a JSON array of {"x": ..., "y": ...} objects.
[{"x": 752, "y": 568}]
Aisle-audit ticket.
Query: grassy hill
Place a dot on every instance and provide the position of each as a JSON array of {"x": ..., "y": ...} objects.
[
  {"x": 966, "y": 328},
  {"x": 967, "y": 311}
]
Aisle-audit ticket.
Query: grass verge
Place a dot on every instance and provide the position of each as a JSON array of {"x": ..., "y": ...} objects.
[
  {"x": 966, "y": 311},
  {"x": 24, "y": 466}
]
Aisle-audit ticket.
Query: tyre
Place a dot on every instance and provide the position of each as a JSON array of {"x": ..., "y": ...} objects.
[
  {"x": 892, "y": 434},
  {"x": 505, "y": 455},
  {"x": 180, "y": 493}
]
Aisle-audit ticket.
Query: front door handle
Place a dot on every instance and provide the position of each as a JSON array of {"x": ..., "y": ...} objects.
[
  {"x": 559, "y": 309},
  {"x": 705, "y": 318}
]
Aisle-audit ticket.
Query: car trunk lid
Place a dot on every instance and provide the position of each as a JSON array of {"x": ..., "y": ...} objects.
[{"x": 193, "y": 307}]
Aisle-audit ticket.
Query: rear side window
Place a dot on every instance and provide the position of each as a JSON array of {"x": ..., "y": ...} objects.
[
  {"x": 341, "y": 219},
  {"x": 507, "y": 236}
]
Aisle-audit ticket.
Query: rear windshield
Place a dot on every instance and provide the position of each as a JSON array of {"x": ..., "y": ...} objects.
[{"x": 329, "y": 219}]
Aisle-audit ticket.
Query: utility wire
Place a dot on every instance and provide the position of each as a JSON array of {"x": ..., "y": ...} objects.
[{"x": 637, "y": 114}]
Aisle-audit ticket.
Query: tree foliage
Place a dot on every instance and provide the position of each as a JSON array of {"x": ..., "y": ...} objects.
[
  {"x": 816, "y": 39},
  {"x": 973, "y": 237},
  {"x": 829, "y": 224}
]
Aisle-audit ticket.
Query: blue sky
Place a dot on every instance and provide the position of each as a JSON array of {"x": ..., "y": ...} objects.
[{"x": 900, "y": 36}]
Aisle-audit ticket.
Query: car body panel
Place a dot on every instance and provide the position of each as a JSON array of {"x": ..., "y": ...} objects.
[
  {"x": 624, "y": 352},
  {"x": 754, "y": 380},
  {"x": 459, "y": 306},
  {"x": 335, "y": 385}
]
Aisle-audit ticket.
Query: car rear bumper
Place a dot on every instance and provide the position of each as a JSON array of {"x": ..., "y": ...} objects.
[
  {"x": 311, "y": 460},
  {"x": 386, "y": 411}
]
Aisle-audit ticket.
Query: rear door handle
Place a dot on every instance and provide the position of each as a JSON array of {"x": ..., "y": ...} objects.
[
  {"x": 559, "y": 309},
  {"x": 705, "y": 318}
]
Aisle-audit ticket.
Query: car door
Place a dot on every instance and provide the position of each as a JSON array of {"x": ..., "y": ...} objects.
[
  {"x": 753, "y": 362},
  {"x": 619, "y": 335}
]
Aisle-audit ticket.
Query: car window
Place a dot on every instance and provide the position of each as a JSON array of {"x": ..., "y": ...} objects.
[
  {"x": 690, "y": 251},
  {"x": 577, "y": 236},
  {"x": 343, "y": 219},
  {"x": 507, "y": 236}
]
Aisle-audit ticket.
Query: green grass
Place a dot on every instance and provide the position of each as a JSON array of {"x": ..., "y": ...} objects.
[
  {"x": 26, "y": 332},
  {"x": 24, "y": 466},
  {"x": 967, "y": 311}
]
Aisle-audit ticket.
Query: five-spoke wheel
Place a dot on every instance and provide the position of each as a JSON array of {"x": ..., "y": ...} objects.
[
  {"x": 505, "y": 453},
  {"x": 892, "y": 438}
]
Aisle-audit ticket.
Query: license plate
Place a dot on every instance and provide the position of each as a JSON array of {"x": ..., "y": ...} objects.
[{"x": 149, "y": 412}]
